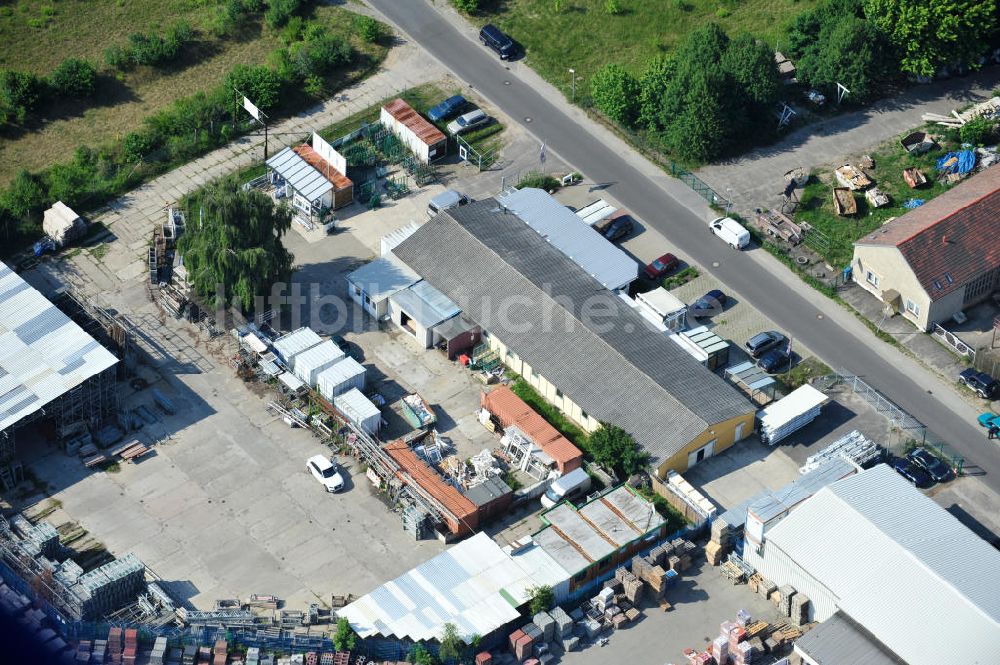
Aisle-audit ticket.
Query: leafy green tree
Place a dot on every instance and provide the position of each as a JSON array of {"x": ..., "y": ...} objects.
[
  {"x": 652, "y": 87},
  {"x": 750, "y": 65},
  {"x": 932, "y": 33},
  {"x": 279, "y": 12},
  {"x": 261, "y": 84},
  {"x": 451, "y": 644},
  {"x": 615, "y": 448},
  {"x": 541, "y": 599},
  {"x": 419, "y": 655},
  {"x": 24, "y": 197},
  {"x": 237, "y": 245},
  {"x": 616, "y": 93},
  {"x": 978, "y": 131},
  {"x": 74, "y": 78},
  {"x": 850, "y": 51},
  {"x": 20, "y": 93},
  {"x": 344, "y": 638},
  {"x": 368, "y": 28}
]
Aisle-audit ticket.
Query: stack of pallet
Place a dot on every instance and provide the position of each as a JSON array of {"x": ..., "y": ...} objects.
[
  {"x": 714, "y": 553},
  {"x": 190, "y": 654},
  {"x": 651, "y": 574},
  {"x": 115, "y": 645},
  {"x": 83, "y": 652},
  {"x": 785, "y": 594},
  {"x": 131, "y": 646},
  {"x": 631, "y": 585},
  {"x": 220, "y": 652},
  {"x": 159, "y": 653},
  {"x": 799, "y": 609},
  {"x": 99, "y": 652}
]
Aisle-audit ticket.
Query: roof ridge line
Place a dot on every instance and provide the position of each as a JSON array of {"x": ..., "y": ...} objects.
[{"x": 948, "y": 216}]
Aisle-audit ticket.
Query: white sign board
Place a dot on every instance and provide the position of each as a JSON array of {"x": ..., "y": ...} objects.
[
  {"x": 327, "y": 152},
  {"x": 251, "y": 109}
]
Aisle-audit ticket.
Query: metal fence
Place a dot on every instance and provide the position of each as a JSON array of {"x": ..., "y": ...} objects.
[
  {"x": 699, "y": 186},
  {"x": 481, "y": 160},
  {"x": 953, "y": 342}
]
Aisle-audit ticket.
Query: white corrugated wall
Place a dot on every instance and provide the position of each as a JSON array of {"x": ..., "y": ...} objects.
[{"x": 778, "y": 567}]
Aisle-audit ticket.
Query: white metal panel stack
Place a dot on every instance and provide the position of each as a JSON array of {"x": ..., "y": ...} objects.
[
  {"x": 790, "y": 413},
  {"x": 854, "y": 447},
  {"x": 309, "y": 363},
  {"x": 341, "y": 377},
  {"x": 359, "y": 410},
  {"x": 295, "y": 342}
]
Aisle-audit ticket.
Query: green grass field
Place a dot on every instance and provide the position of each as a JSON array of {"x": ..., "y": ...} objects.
[
  {"x": 37, "y": 36},
  {"x": 816, "y": 205},
  {"x": 582, "y": 36}
]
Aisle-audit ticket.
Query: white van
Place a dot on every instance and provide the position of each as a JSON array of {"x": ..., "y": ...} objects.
[
  {"x": 449, "y": 198},
  {"x": 731, "y": 231},
  {"x": 572, "y": 486}
]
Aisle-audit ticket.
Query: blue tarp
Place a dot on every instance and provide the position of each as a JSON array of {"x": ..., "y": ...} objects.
[
  {"x": 957, "y": 162},
  {"x": 913, "y": 203}
]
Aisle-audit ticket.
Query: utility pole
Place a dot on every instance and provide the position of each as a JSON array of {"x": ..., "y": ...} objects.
[{"x": 572, "y": 80}]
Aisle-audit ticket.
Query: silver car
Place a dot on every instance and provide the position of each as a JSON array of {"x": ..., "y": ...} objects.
[{"x": 467, "y": 121}]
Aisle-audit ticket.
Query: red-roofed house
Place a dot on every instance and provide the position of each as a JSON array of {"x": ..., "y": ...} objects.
[
  {"x": 422, "y": 138},
  {"x": 938, "y": 259}
]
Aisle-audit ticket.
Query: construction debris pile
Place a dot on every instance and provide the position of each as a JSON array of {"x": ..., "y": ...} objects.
[
  {"x": 33, "y": 551},
  {"x": 990, "y": 109}
]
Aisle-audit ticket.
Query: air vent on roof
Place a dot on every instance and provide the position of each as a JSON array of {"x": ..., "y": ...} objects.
[
  {"x": 937, "y": 285},
  {"x": 949, "y": 278}
]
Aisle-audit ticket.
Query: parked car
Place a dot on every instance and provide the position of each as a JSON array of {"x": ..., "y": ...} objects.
[
  {"x": 467, "y": 121},
  {"x": 775, "y": 360},
  {"x": 912, "y": 472},
  {"x": 493, "y": 37},
  {"x": 731, "y": 231},
  {"x": 619, "y": 228},
  {"x": 326, "y": 472},
  {"x": 763, "y": 342},
  {"x": 988, "y": 418},
  {"x": 447, "y": 108},
  {"x": 661, "y": 266},
  {"x": 980, "y": 383},
  {"x": 446, "y": 200},
  {"x": 935, "y": 468},
  {"x": 708, "y": 304}
]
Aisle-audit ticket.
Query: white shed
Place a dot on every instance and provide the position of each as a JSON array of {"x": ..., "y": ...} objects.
[
  {"x": 311, "y": 362},
  {"x": 341, "y": 377},
  {"x": 664, "y": 306},
  {"x": 371, "y": 285},
  {"x": 425, "y": 140},
  {"x": 62, "y": 224},
  {"x": 295, "y": 342},
  {"x": 359, "y": 410}
]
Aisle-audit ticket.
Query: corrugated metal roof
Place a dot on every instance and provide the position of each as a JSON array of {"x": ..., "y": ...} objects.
[
  {"x": 43, "y": 354},
  {"x": 424, "y": 304},
  {"x": 560, "y": 226},
  {"x": 393, "y": 238},
  {"x": 311, "y": 157},
  {"x": 799, "y": 401},
  {"x": 899, "y": 564},
  {"x": 541, "y": 305},
  {"x": 383, "y": 277},
  {"x": 316, "y": 359},
  {"x": 661, "y": 301},
  {"x": 295, "y": 342},
  {"x": 291, "y": 381},
  {"x": 300, "y": 175},
  {"x": 466, "y": 586},
  {"x": 342, "y": 371},
  {"x": 839, "y": 641},
  {"x": 416, "y": 123},
  {"x": 359, "y": 406}
]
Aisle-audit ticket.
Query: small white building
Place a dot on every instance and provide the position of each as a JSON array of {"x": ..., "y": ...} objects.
[
  {"x": 418, "y": 308},
  {"x": 359, "y": 410},
  {"x": 340, "y": 377},
  {"x": 311, "y": 362},
  {"x": 665, "y": 307},
  {"x": 289, "y": 345},
  {"x": 371, "y": 285},
  {"x": 62, "y": 224},
  {"x": 417, "y": 133}
]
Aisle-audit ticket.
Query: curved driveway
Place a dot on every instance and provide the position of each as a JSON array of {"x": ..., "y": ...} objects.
[{"x": 806, "y": 315}]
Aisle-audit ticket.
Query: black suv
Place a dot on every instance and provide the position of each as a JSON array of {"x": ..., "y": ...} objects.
[
  {"x": 981, "y": 383},
  {"x": 493, "y": 37}
]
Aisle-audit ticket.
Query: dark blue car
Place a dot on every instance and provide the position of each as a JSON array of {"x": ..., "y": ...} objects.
[
  {"x": 708, "y": 304},
  {"x": 447, "y": 108},
  {"x": 775, "y": 360}
]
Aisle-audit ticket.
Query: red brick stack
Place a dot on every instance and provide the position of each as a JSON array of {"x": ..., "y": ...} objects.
[
  {"x": 484, "y": 658},
  {"x": 220, "y": 652},
  {"x": 131, "y": 646},
  {"x": 114, "y": 645}
]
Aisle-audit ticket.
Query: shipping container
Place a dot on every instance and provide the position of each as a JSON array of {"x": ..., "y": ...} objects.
[
  {"x": 311, "y": 362},
  {"x": 359, "y": 410},
  {"x": 341, "y": 377}
]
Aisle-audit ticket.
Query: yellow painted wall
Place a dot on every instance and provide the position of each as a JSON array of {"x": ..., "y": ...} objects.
[
  {"x": 724, "y": 434},
  {"x": 893, "y": 273}
]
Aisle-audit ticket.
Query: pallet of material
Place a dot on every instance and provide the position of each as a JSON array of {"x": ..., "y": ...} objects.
[
  {"x": 134, "y": 452},
  {"x": 95, "y": 460}
]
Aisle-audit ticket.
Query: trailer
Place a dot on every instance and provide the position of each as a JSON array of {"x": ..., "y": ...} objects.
[
  {"x": 843, "y": 202},
  {"x": 778, "y": 225},
  {"x": 914, "y": 177}
]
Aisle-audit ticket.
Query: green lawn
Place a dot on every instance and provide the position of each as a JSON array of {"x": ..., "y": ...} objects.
[
  {"x": 816, "y": 206},
  {"x": 421, "y": 98},
  {"x": 582, "y": 36}
]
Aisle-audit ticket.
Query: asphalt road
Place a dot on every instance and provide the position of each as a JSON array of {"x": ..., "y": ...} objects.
[{"x": 803, "y": 316}]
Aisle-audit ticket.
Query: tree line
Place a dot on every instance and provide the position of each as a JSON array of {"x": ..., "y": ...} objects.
[{"x": 715, "y": 94}]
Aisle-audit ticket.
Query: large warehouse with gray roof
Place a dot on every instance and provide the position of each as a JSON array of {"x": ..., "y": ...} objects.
[{"x": 572, "y": 338}]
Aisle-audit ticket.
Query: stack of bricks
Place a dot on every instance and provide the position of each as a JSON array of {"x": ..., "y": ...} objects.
[
  {"x": 564, "y": 624},
  {"x": 785, "y": 600},
  {"x": 799, "y": 613},
  {"x": 523, "y": 648},
  {"x": 131, "y": 646},
  {"x": 484, "y": 658},
  {"x": 546, "y": 624},
  {"x": 736, "y": 645},
  {"x": 99, "y": 652},
  {"x": 115, "y": 645},
  {"x": 650, "y": 573},
  {"x": 312, "y": 658},
  {"x": 698, "y": 657}
]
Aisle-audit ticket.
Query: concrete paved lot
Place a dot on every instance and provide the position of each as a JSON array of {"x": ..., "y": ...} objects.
[{"x": 702, "y": 600}]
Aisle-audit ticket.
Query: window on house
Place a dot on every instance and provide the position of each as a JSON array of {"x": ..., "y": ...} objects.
[
  {"x": 559, "y": 393},
  {"x": 872, "y": 278},
  {"x": 535, "y": 375},
  {"x": 510, "y": 354},
  {"x": 368, "y": 300},
  {"x": 912, "y": 307},
  {"x": 583, "y": 415},
  {"x": 357, "y": 290}
]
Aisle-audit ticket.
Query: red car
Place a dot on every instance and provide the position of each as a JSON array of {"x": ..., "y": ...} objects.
[{"x": 661, "y": 266}]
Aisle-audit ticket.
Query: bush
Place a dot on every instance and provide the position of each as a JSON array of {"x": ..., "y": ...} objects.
[
  {"x": 261, "y": 84},
  {"x": 616, "y": 94},
  {"x": 344, "y": 639},
  {"x": 612, "y": 8},
  {"x": 538, "y": 180},
  {"x": 74, "y": 78},
  {"x": 542, "y": 599},
  {"x": 614, "y": 448},
  {"x": 279, "y": 12},
  {"x": 467, "y": 6},
  {"x": 20, "y": 93},
  {"x": 24, "y": 197},
  {"x": 151, "y": 49},
  {"x": 117, "y": 56},
  {"x": 137, "y": 145},
  {"x": 978, "y": 131},
  {"x": 368, "y": 29},
  {"x": 320, "y": 54}
]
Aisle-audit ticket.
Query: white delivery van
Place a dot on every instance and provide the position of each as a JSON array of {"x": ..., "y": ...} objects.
[
  {"x": 731, "y": 231},
  {"x": 572, "y": 486},
  {"x": 449, "y": 198}
]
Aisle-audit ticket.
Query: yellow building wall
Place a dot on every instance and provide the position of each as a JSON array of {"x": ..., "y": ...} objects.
[
  {"x": 724, "y": 435},
  {"x": 893, "y": 272}
]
